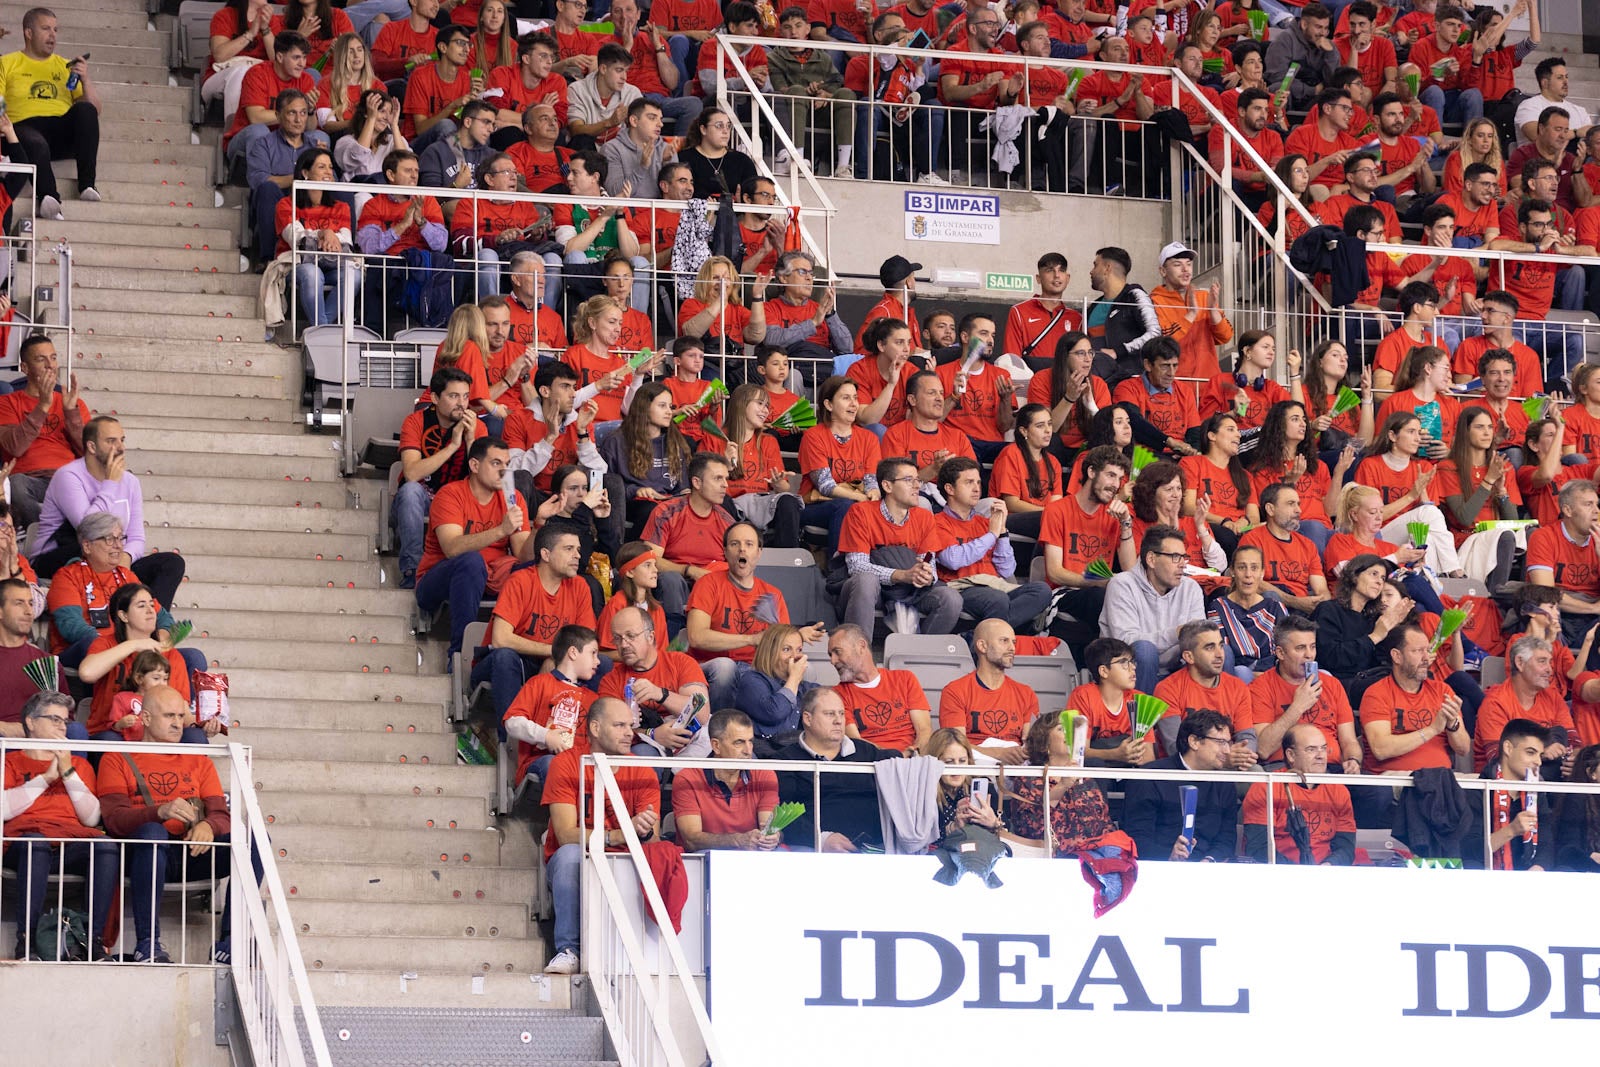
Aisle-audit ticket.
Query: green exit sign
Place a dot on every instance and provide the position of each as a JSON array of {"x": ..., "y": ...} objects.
[{"x": 1008, "y": 283}]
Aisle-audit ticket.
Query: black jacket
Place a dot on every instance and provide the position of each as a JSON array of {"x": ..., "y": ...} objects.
[
  {"x": 849, "y": 801},
  {"x": 1344, "y": 642},
  {"x": 1433, "y": 816},
  {"x": 1130, "y": 324},
  {"x": 1153, "y": 815}
]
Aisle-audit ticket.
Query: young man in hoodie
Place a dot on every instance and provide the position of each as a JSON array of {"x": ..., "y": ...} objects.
[
  {"x": 636, "y": 155},
  {"x": 817, "y": 96},
  {"x": 1145, "y": 606}
]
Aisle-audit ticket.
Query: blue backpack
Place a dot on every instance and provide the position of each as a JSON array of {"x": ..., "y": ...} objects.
[{"x": 428, "y": 295}]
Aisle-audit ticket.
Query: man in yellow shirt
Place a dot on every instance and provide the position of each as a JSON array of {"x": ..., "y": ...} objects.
[{"x": 55, "y": 108}]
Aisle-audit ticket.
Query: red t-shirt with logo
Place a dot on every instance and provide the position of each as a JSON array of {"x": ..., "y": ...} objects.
[
  {"x": 732, "y": 610},
  {"x": 1576, "y": 567},
  {"x": 1272, "y": 694},
  {"x": 981, "y": 713},
  {"x": 1290, "y": 565},
  {"x": 537, "y": 614},
  {"x": 1082, "y": 538},
  {"x": 881, "y": 712}
]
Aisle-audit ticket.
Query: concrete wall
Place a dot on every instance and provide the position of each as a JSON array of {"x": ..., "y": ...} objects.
[
  {"x": 53, "y": 1012},
  {"x": 870, "y": 227}
]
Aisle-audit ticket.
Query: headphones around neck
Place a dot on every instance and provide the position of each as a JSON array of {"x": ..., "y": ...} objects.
[{"x": 1242, "y": 382}]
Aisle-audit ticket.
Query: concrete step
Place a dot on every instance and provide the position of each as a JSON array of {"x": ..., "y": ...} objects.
[
  {"x": 124, "y": 113},
  {"x": 478, "y": 921},
  {"x": 350, "y": 746},
  {"x": 225, "y": 261},
  {"x": 196, "y": 361},
  {"x": 76, "y": 27},
  {"x": 304, "y": 572},
  {"x": 377, "y": 810},
  {"x": 235, "y": 595},
  {"x": 235, "y": 465},
  {"x": 424, "y": 955},
  {"x": 394, "y": 883},
  {"x": 142, "y": 92},
  {"x": 339, "y": 685},
  {"x": 136, "y": 126},
  {"x": 327, "y": 841},
  {"x": 180, "y": 175},
  {"x": 224, "y": 219},
  {"x": 167, "y": 281},
  {"x": 271, "y": 448},
  {"x": 118, "y": 74},
  {"x": 120, "y": 188},
  {"x": 174, "y": 327},
  {"x": 273, "y": 543},
  {"x": 310, "y": 495},
  {"x": 89, "y": 229},
  {"x": 204, "y": 387},
  {"x": 411, "y": 779},
  {"x": 228, "y": 654},
  {"x": 343, "y": 715},
  {"x": 154, "y": 424},
  {"x": 196, "y": 305},
  {"x": 146, "y": 50},
  {"x": 379, "y": 989},
  {"x": 220, "y": 516},
  {"x": 349, "y": 631},
  {"x": 175, "y": 406}
]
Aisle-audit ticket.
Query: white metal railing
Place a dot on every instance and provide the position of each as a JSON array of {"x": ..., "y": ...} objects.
[{"x": 268, "y": 972}]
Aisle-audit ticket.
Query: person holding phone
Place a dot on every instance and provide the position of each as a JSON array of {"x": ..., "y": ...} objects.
[
  {"x": 55, "y": 107},
  {"x": 963, "y": 800}
]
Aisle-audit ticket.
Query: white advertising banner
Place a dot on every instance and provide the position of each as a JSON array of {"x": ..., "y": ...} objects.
[
  {"x": 844, "y": 960},
  {"x": 953, "y": 217}
]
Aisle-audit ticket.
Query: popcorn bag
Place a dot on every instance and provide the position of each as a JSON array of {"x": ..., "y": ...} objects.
[{"x": 211, "y": 698}]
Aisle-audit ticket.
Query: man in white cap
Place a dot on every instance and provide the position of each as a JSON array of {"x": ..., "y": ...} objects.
[{"x": 1188, "y": 315}]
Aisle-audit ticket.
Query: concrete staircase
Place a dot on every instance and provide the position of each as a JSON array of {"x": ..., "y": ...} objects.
[{"x": 405, "y": 892}]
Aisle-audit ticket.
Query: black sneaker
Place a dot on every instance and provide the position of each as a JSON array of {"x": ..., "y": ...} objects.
[{"x": 143, "y": 953}]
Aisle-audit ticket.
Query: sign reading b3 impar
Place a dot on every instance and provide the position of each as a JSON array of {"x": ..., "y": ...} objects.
[{"x": 954, "y": 218}]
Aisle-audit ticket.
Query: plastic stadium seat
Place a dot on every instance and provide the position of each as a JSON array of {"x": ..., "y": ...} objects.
[
  {"x": 1051, "y": 677},
  {"x": 1460, "y": 587},
  {"x": 936, "y": 660},
  {"x": 794, "y": 572},
  {"x": 1493, "y": 671},
  {"x": 463, "y": 695}
]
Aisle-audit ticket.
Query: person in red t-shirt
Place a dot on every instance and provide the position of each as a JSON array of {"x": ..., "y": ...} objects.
[
  {"x": 52, "y": 794},
  {"x": 730, "y": 609},
  {"x": 976, "y": 555},
  {"x": 1325, "y": 809},
  {"x": 1291, "y": 694},
  {"x": 726, "y": 809},
  {"x": 609, "y": 724},
  {"x": 888, "y": 547},
  {"x": 1529, "y": 693},
  {"x": 403, "y": 42},
  {"x": 688, "y": 532},
  {"x": 667, "y": 688},
  {"x": 546, "y": 713},
  {"x": 986, "y": 705},
  {"x": 1034, "y": 326},
  {"x": 1411, "y": 721},
  {"x": 1445, "y": 63},
  {"x": 1566, "y": 556},
  {"x": 531, "y": 81},
  {"x": 1293, "y": 562},
  {"x": 1533, "y": 283},
  {"x": 261, "y": 86},
  {"x": 433, "y": 453},
  {"x": 1107, "y": 705},
  {"x": 883, "y": 373},
  {"x": 436, "y": 91},
  {"x": 1204, "y": 685},
  {"x": 1543, "y": 474},
  {"x": 475, "y": 536},
  {"x": 1083, "y": 527},
  {"x": 534, "y": 605},
  {"x": 887, "y": 708},
  {"x": 985, "y": 404},
  {"x": 838, "y": 460},
  {"x": 41, "y": 429},
  {"x": 1324, "y": 138},
  {"x": 921, "y": 434}
]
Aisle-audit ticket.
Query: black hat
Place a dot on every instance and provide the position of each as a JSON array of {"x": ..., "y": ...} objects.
[{"x": 895, "y": 270}]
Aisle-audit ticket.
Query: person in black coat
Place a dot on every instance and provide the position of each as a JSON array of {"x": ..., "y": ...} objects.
[
  {"x": 1352, "y": 626},
  {"x": 849, "y": 814},
  {"x": 1578, "y": 818},
  {"x": 1152, "y": 812}
]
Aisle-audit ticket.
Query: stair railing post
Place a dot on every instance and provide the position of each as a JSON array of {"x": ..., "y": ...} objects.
[{"x": 63, "y": 252}]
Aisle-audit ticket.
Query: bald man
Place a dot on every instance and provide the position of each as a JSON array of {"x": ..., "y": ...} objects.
[
  {"x": 992, "y": 709},
  {"x": 664, "y": 686}
]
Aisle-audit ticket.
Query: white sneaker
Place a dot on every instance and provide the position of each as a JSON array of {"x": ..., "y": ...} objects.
[
  {"x": 844, "y": 171},
  {"x": 565, "y": 962},
  {"x": 780, "y": 166},
  {"x": 931, "y": 178},
  {"x": 50, "y": 208},
  {"x": 89, "y": 194}
]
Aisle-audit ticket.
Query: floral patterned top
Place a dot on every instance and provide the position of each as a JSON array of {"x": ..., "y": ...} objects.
[{"x": 1078, "y": 820}]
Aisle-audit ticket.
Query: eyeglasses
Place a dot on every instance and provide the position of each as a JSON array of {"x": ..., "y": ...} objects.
[
  {"x": 500, "y": 173},
  {"x": 1176, "y": 557},
  {"x": 803, "y": 272},
  {"x": 719, "y": 125},
  {"x": 905, "y": 479},
  {"x": 59, "y": 720},
  {"x": 1215, "y": 740},
  {"x": 113, "y": 539},
  {"x": 1122, "y": 661},
  {"x": 630, "y": 638}
]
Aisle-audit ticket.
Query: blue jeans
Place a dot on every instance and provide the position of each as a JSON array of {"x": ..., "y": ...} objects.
[
  {"x": 488, "y": 273},
  {"x": 409, "y": 517},
  {"x": 321, "y": 308},
  {"x": 1317, "y": 533},
  {"x": 829, "y": 513},
  {"x": 362, "y": 14},
  {"x": 508, "y": 671},
  {"x": 147, "y": 869},
  {"x": 1147, "y": 665},
  {"x": 679, "y": 46},
  {"x": 459, "y": 582},
  {"x": 1453, "y": 105},
  {"x": 439, "y": 131},
  {"x": 564, "y": 872},
  {"x": 1560, "y": 348},
  {"x": 35, "y": 861},
  {"x": 679, "y": 110},
  {"x": 722, "y": 675},
  {"x": 1019, "y": 607}
]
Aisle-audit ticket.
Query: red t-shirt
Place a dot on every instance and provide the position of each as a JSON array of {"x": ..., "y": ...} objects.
[
  {"x": 52, "y": 814},
  {"x": 333, "y": 216},
  {"x": 882, "y": 710},
  {"x": 619, "y": 601},
  {"x": 455, "y": 505},
  {"x": 167, "y": 777},
  {"x": 1307, "y": 140},
  {"x": 524, "y": 429},
  {"x": 730, "y": 323},
  {"x": 672, "y": 672},
  {"x": 782, "y": 314},
  {"x": 1312, "y": 487},
  {"x": 1173, "y": 412},
  {"x": 427, "y": 93},
  {"x": 687, "y": 538},
  {"x": 904, "y": 439},
  {"x": 1576, "y": 567},
  {"x": 259, "y": 88},
  {"x": 981, "y": 713},
  {"x": 1447, "y": 483},
  {"x": 1223, "y": 392},
  {"x": 1082, "y": 538},
  {"x": 107, "y": 688},
  {"x": 1208, "y": 479},
  {"x": 1583, "y": 430},
  {"x": 1533, "y": 283},
  {"x": 1290, "y": 565},
  {"x": 1428, "y": 52},
  {"x": 51, "y": 450},
  {"x": 1010, "y": 477},
  {"x": 640, "y": 788},
  {"x": 1390, "y": 483},
  {"x": 848, "y": 461},
  {"x": 540, "y": 170},
  {"x": 974, "y": 70},
  {"x": 1452, "y": 269},
  {"x": 1103, "y": 721},
  {"x": 675, "y": 16},
  {"x": 1475, "y": 222},
  {"x": 1500, "y": 706},
  {"x": 398, "y": 42},
  {"x": 1029, "y": 323},
  {"x": 592, "y": 368},
  {"x": 554, "y": 703},
  {"x": 551, "y": 335},
  {"x": 1343, "y": 547},
  {"x": 383, "y": 211},
  {"x": 870, "y": 385},
  {"x": 1395, "y": 346},
  {"x": 1541, "y": 500},
  {"x": 1229, "y": 698},
  {"x": 732, "y": 610},
  {"x": 1271, "y": 694},
  {"x": 1372, "y": 63},
  {"x": 866, "y": 528},
  {"x": 1406, "y": 713},
  {"x": 535, "y": 613},
  {"x": 517, "y": 96},
  {"x": 1326, "y": 809},
  {"x": 1041, "y": 388}
]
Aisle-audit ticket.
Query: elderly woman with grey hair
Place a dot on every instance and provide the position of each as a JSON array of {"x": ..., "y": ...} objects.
[
  {"x": 80, "y": 594},
  {"x": 51, "y": 794}
]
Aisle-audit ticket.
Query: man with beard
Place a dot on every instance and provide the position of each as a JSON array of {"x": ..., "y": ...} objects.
[
  {"x": 887, "y": 708},
  {"x": 535, "y": 604},
  {"x": 1527, "y": 694},
  {"x": 1408, "y": 719},
  {"x": 988, "y": 706},
  {"x": 1088, "y": 526},
  {"x": 1204, "y": 685},
  {"x": 894, "y": 530},
  {"x": 662, "y": 685},
  {"x": 1294, "y": 566}
]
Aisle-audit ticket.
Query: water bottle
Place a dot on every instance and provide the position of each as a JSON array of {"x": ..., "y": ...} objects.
[{"x": 72, "y": 77}]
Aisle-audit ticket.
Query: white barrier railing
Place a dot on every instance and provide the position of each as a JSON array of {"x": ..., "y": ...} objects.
[{"x": 268, "y": 971}]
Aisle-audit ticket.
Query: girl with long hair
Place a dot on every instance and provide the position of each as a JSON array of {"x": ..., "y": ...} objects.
[
  {"x": 596, "y": 332},
  {"x": 1480, "y": 143},
  {"x": 317, "y": 225},
  {"x": 109, "y": 661},
  {"x": 838, "y": 460},
  {"x": 465, "y": 345},
  {"x": 1476, "y": 484},
  {"x": 1070, "y": 393},
  {"x": 1205, "y": 33},
  {"x": 758, "y": 485},
  {"x": 957, "y": 804},
  {"x": 1027, "y": 477},
  {"x": 1110, "y": 426},
  {"x": 493, "y": 43},
  {"x": 1218, "y": 475},
  {"x": 349, "y": 75},
  {"x": 1295, "y": 174},
  {"x": 649, "y": 452},
  {"x": 717, "y": 311},
  {"x": 1249, "y": 390},
  {"x": 1352, "y": 625},
  {"x": 1328, "y": 372},
  {"x": 1422, "y": 387},
  {"x": 1285, "y": 452},
  {"x": 318, "y": 21},
  {"x": 1404, "y": 480},
  {"x": 718, "y": 168},
  {"x": 1158, "y": 501},
  {"x": 374, "y": 132},
  {"x": 634, "y": 577}
]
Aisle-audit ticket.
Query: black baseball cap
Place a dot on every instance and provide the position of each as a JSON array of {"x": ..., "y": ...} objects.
[
  {"x": 1052, "y": 259},
  {"x": 895, "y": 270}
]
